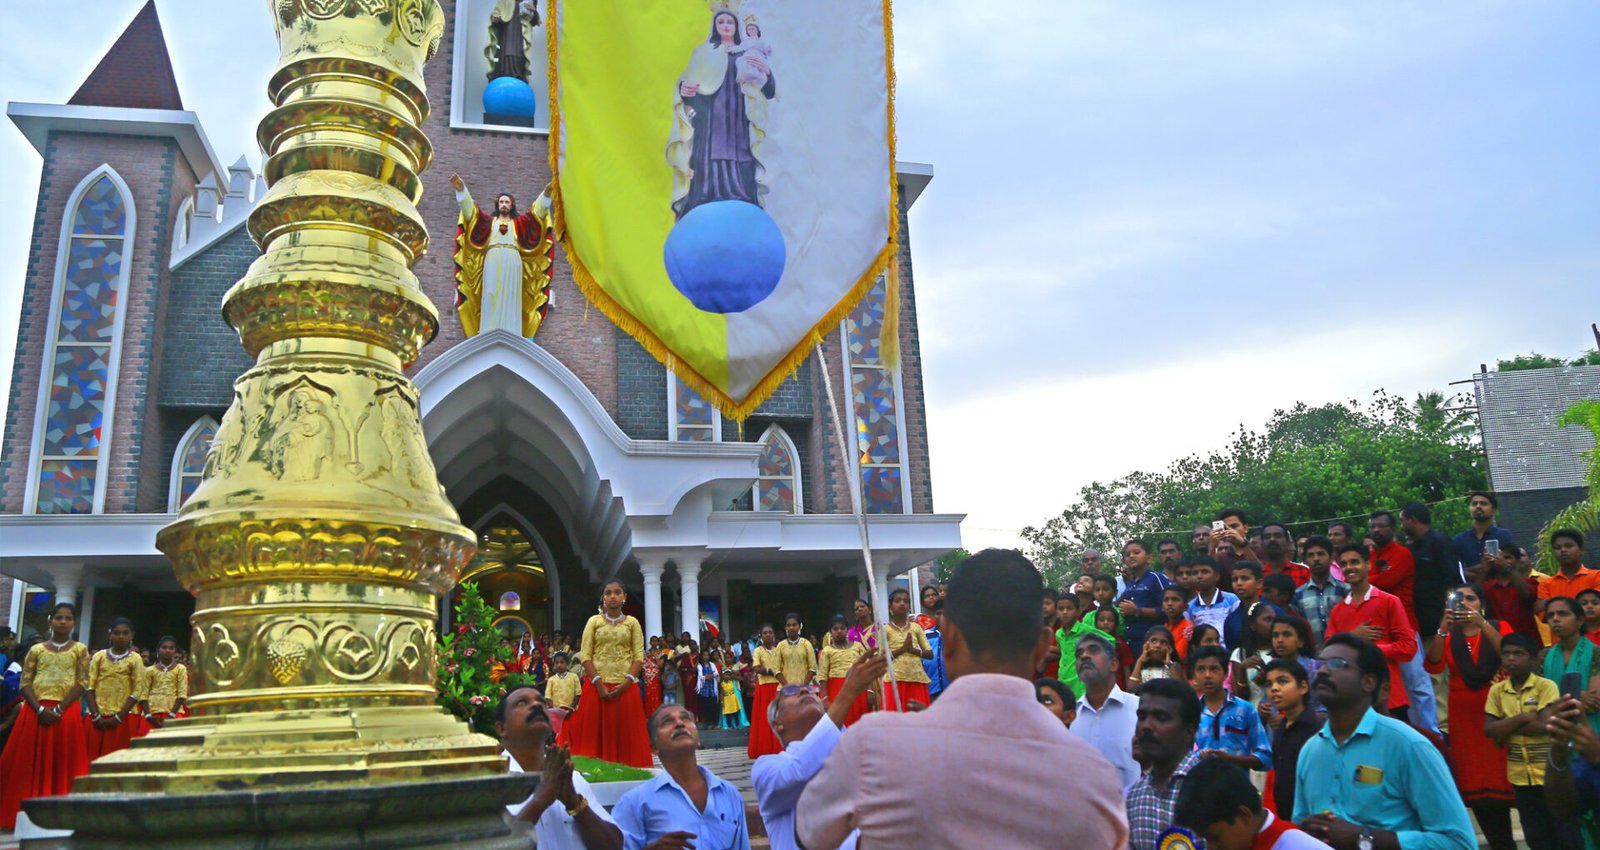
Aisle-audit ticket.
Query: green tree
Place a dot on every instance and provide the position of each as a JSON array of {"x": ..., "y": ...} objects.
[
  {"x": 1531, "y": 360},
  {"x": 1585, "y": 515},
  {"x": 1306, "y": 466},
  {"x": 1588, "y": 358},
  {"x": 468, "y": 658},
  {"x": 946, "y": 563}
]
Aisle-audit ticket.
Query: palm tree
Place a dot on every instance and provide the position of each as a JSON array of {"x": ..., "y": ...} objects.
[{"x": 1435, "y": 416}]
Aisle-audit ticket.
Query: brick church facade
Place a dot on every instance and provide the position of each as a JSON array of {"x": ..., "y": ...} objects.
[{"x": 575, "y": 456}]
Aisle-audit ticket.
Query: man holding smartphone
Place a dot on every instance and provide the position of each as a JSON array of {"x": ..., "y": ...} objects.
[{"x": 1476, "y": 545}]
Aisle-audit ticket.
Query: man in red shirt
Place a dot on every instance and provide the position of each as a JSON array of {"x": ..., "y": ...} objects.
[
  {"x": 1511, "y": 596},
  {"x": 1394, "y": 570},
  {"x": 1375, "y": 615},
  {"x": 1275, "y": 551}
]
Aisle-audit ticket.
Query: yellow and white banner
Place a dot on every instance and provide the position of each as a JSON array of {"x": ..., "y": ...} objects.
[{"x": 725, "y": 175}]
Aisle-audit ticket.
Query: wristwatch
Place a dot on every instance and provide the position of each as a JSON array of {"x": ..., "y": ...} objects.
[{"x": 1365, "y": 842}]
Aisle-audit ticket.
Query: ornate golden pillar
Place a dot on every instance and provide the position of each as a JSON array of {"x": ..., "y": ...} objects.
[{"x": 320, "y": 541}]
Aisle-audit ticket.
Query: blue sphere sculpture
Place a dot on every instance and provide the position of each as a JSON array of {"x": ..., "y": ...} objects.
[
  {"x": 725, "y": 256},
  {"x": 509, "y": 96}
]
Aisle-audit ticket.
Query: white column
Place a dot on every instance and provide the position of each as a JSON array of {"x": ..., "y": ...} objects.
[
  {"x": 880, "y": 604},
  {"x": 651, "y": 570},
  {"x": 689, "y": 586},
  {"x": 916, "y": 591},
  {"x": 19, "y": 597},
  {"x": 86, "y": 617}
]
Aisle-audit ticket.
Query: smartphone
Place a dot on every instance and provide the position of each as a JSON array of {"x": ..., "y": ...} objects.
[
  {"x": 1491, "y": 548},
  {"x": 1572, "y": 684},
  {"x": 1454, "y": 601},
  {"x": 1218, "y": 525}
]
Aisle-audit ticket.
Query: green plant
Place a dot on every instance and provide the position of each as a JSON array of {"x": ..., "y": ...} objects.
[
  {"x": 596, "y": 770},
  {"x": 467, "y": 657},
  {"x": 1585, "y": 515}
]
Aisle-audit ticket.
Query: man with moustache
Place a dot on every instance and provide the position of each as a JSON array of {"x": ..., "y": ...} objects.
[
  {"x": 1369, "y": 782},
  {"x": 564, "y": 811},
  {"x": 686, "y": 806},
  {"x": 1163, "y": 743}
]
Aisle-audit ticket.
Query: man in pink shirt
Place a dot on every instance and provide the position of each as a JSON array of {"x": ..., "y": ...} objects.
[{"x": 986, "y": 724}]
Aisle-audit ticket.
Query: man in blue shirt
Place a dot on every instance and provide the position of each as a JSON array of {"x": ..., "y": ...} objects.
[
  {"x": 1370, "y": 782},
  {"x": 685, "y": 805},
  {"x": 1140, "y": 599},
  {"x": 1469, "y": 544},
  {"x": 809, "y": 730}
]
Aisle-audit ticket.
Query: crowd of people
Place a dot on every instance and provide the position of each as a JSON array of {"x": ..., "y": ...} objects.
[
  {"x": 63, "y": 706},
  {"x": 1262, "y": 689}
]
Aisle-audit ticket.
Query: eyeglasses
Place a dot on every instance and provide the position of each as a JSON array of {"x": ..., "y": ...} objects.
[
  {"x": 1338, "y": 663},
  {"x": 796, "y": 690}
]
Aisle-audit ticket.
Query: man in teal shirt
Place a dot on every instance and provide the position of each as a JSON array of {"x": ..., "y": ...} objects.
[
  {"x": 1072, "y": 628},
  {"x": 1370, "y": 782}
]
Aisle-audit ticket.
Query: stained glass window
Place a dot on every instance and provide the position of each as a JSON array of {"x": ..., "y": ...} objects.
[
  {"x": 78, "y": 369},
  {"x": 189, "y": 465},
  {"x": 695, "y": 420},
  {"x": 875, "y": 403},
  {"x": 778, "y": 485}
]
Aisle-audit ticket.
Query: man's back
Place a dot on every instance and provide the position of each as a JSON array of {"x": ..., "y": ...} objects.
[{"x": 1011, "y": 776}]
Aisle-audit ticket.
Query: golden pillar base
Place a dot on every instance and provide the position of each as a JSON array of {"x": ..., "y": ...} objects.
[{"x": 319, "y": 541}]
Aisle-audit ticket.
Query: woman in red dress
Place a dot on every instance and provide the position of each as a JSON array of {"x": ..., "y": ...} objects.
[
  {"x": 46, "y": 749},
  {"x": 610, "y": 721},
  {"x": 834, "y": 662},
  {"x": 652, "y": 681},
  {"x": 765, "y": 661},
  {"x": 1468, "y": 643}
]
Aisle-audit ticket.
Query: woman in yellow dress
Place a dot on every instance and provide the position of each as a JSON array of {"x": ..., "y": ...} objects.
[
  {"x": 834, "y": 663},
  {"x": 610, "y": 723},
  {"x": 166, "y": 686},
  {"x": 765, "y": 661},
  {"x": 116, "y": 684},
  {"x": 46, "y": 751},
  {"x": 797, "y": 658},
  {"x": 909, "y": 646}
]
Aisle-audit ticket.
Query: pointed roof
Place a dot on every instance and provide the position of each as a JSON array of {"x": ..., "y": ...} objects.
[{"x": 136, "y": 72}]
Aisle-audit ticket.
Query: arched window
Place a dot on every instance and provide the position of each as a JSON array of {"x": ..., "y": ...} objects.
[
  {"x": 875, "y": 404},
  {"x": 778, "y": 485},
  {"x": 82, "y": 340},
  {"x": 183, "y": 225},
  {"x": 691, "y": 418},
  {"x": 190, "y": 461}
]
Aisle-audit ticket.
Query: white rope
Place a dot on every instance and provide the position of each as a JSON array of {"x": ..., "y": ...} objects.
[{"x": 854, "y": 483}]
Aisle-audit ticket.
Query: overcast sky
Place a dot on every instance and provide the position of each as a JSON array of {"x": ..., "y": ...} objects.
[{"x": 1149, "y": 223}]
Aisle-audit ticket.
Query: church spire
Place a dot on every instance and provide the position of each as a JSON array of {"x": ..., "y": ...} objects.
[{"x": 136, "y": 72}]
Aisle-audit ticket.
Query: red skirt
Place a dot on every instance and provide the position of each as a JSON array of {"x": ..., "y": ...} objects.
[
  {"x": 40, "y": 761},
  {"x": 857, "y": 708},
  {"x": 614, "y": 730},
  {"x": 762, "y": 739},
  {"x": 905, "y": 692},
  {"x": 98, "y": 742}
]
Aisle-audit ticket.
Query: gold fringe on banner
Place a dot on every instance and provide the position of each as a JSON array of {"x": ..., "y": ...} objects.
[{"x": 885, "y": 264}]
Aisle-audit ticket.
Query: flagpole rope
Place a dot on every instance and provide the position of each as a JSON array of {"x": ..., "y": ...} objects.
[{"x": 854, "y": 486}]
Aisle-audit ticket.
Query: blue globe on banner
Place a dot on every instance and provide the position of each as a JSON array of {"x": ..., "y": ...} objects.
[
  {"x": 509, "y": 96},
  {"x": 725, "y": 256}
]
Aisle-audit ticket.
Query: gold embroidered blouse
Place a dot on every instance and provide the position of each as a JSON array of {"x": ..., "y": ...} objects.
[
  {"x": 561, "y": 690},
  {"x": 612, "y": 648},
  {"x": 763, "y": 658},
  {"x": 163, "y": 688},
  {"x": 835, "y": 661},
  {"x": 796, "y": 660},
  {"x": 113, "y": 682},
  {"x": 908, "y": 668},
  {"x": 52, "y": 673}
]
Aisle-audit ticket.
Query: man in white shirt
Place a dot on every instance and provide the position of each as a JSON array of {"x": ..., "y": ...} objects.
[
  {"x": 564, "y": 811},
  {"x": 1107, "y": 714},
  {"x": 809, "y": 729}
]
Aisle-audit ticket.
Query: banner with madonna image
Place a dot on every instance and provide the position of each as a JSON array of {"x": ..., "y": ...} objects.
[{"x": 725, "y": 186}]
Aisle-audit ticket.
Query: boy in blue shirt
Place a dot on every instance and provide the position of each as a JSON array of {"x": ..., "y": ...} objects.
[{"x": 1230, "y": 728}]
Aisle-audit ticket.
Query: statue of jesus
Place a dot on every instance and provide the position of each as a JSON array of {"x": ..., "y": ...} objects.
[{"x": 503, "y": 264}]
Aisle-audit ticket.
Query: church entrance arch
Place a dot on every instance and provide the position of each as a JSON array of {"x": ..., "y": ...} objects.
[{"x": 514, "y": 574}]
